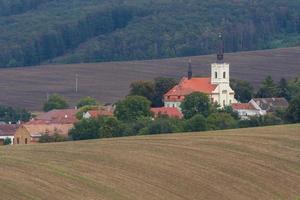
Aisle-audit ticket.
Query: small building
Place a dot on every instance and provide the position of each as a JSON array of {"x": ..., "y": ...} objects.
[
  {"x": 217, "y": 86},
  {"x": 31, "y": 133},
  {"x": 97, "y": 113},
  {"x": 246, "y": 110},
  {"x": 7, "y": 131},
  {"x": 270, "y": 105},
  {"x": 57, "y": 116},
  {"x": 167, "y": 111}
]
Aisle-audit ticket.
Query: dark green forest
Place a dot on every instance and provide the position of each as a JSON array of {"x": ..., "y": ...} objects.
[{"x": 34, "y": 32}]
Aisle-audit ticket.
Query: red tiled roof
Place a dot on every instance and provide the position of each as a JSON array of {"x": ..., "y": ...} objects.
[
  {"x": 8, "y": 129},
  {"x": 242, "y": 106},
  {"x": 187, "y": 86},
  {"x": 169, "y": 111},
  {"x": 97, "y": 113},
  {"x": 63, "y": 116}
]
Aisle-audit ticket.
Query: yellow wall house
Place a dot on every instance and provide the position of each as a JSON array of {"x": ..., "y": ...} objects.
[{"x": 29, "y": 134}]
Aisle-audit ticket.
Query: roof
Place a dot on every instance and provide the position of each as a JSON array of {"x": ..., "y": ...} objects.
[
  {"x": 36, "y": 130},
  {"x": 243, "y": 106},
  {"x": 271, "y": 104},
  {"x": 97, "y": 113},
  {"x": 187, "y": 86},
  {"x": 169, "y": 111},
  {"x": 59, "y": 116},
  {"x": 8, "y": 129}
]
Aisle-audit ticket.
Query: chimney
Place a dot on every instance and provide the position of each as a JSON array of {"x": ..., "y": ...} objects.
[{"x": 190, "y": 72}]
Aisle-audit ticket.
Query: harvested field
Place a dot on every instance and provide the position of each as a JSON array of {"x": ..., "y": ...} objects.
[
  {"x": 257, "y": 163},
  {"x": 108, "y": 82}
]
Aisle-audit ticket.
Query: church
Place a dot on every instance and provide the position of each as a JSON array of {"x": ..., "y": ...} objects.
[{"x": 217, "y": 86}]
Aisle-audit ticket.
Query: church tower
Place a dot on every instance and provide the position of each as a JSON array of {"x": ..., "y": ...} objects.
[{"x": 220, "y": 69}]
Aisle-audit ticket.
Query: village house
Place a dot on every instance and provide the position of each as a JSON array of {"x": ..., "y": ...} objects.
[
  {"x": 7, "y": 131},
  {"x": 259, "y": 107},
  {"x": 103, "y": 111},
  {"x": 167, "y": 111},
  {"x": 62, "y": 116},
  {"x": 217, "y": 86},
  {"x": 31, "y": 133}
]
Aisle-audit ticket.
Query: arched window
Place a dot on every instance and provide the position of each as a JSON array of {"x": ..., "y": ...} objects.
[
  {"x": 216, "y": 74},
  {"x": 224, "y": 74}
]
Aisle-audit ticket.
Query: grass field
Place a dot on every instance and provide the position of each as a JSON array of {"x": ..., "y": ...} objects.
[
  {"x": 108, "y": 82},
  {"x": 257, "y": 163}
]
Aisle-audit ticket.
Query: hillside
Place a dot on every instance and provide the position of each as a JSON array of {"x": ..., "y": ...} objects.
[
  {"x": 257, "y": 163},
  {"x": 108, "y": 82},
  {"x": 75, "y": 31}
]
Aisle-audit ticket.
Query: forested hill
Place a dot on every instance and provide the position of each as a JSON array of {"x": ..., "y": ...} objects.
[{"x": 70, "y": 31}]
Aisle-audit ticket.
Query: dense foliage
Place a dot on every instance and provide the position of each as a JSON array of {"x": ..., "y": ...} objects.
[
  {"x": 55, "y": 101},
  {"x": 36, "y": 31},
  {"x": 13, "y": 115}
]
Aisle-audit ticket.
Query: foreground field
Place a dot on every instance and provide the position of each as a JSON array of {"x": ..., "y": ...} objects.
[
  {"x": 258, "y": 163},
  {"x": 108, "y": 82}
]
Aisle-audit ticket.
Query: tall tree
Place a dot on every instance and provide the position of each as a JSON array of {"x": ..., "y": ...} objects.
[
  {"x": 283, "y": 89},
  {"x": 243, "y": 90},
  {"x": 55, "y": 101},
  {"x": 132, "y": 108},
  {"x": 293, "y": 111},
  {"x": 161, "y": 86},
  {"x": 142, "y": 88},
  {"x": 196, "y": 103},
  {"x": 268, "y": 88}
]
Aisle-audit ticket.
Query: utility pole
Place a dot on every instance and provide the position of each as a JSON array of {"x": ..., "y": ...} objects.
[{"x": 76, "y": 83}]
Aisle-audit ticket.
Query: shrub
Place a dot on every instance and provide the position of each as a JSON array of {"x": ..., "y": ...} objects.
[
  {"x": 7, "y": 141},
  {"x": 196, "y": 123},
  {"x": 217, "y": 121},
  {"x": 46, "y": 138}
]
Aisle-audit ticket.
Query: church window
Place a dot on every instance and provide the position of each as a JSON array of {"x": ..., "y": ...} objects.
[
  {"x": 224, "y": 74},
  {"x": 223, "y": 102},
  {"x": 216, "y": 74}
]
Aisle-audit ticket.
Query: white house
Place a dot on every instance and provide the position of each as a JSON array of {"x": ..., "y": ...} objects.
[{"x": 217, "y": 86}]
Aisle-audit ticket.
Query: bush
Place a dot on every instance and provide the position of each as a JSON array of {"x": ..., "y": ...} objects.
[
  {"x": 163, "y": 125},
  {"x": 111, "y": 127},
  {"x": 7, "y": 141},
  {"x": 86, "y": 129},
  {"x": 55, "y": 101},
  {"x": 217, "y": 121},
  {"x": 196, "y": 123},
  {"x": 87, "y": 101},
  {"x": 46, "y": 138}
]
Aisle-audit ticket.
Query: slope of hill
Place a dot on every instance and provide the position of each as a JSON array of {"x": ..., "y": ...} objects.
[
  {"x": 257, "y": 163},
  {"x": 68, "y": 31},
  {"x": 108, "y": 82}
]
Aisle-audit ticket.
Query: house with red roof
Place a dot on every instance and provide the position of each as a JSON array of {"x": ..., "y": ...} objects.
[
  {"x": 217, "y": 86},
  {"x": 167, "y": 111}
]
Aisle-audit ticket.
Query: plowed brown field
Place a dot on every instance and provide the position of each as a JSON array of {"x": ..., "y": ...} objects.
[
  {"x": 108, "y": 82},
  {"x": 241, "y": 164}
]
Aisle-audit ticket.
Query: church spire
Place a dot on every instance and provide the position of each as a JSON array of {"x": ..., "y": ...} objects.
[
  {"x": 190, "y": 72},
  {"x": 220, "y": 55}
]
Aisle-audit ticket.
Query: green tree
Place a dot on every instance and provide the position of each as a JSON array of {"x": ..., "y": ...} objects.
[
  {"x": 293, "y": 111},
  {"x": 87, "y": 101},
  {"x": 217, "y": 121},
  {"x": 142, "y": 88},
  {"x": 46, "y": 138},
  {"x": 243, "y": 90},
  {"x": 132, "y": 108},
  {"x": 196, "y": 123},
  {"x": 13, "y": 115},
  {"x": 162, "y": 125},
  {"x": 268, "y": 89},
  {"x": 55, "y": 101},
  {"x": 196, "y": 103},
  {"x": 111, "y": 127},
  {"x": 162, "y": 86},
  {"x": 86, "y": 129},
  {"x": 7, "y": 141},
  {"x": 283, "y": 89}
]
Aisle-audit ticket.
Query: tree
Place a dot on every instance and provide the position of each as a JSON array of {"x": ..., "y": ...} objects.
[
  {"x": 243, "y": 90},
  {"x": 142, "y": 88},
  {"x": 13, "y": 115},
  {"x": 7, "y": 141},
  {"x": 217, "y": 121},
  {"x": 196, "y": 103},
  {"x": 46, "y": 138},
  {"x": 268, "y": 89},
  {"x": 86, "y": 129},
  {"x": 293, "y": 111},
  {"x": 132, "y": 108},
  {"x": 111, "y": 127},
  {"x": 196, "y": 123},
  {"x": 162, "y": 125},
  {"x": 283, "y": 89},
  {"x": 87, "y": 101},
  {"x": 162, "y": 86},
  {"x": 55, "y": 101}
]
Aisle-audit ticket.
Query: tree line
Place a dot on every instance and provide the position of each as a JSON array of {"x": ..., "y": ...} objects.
[{"x": 72, "y": 31}]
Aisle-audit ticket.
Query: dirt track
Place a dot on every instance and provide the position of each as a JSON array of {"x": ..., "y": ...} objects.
[
  {"x": 108, "y": 82},
  {"x": 260, "y": 163}
]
